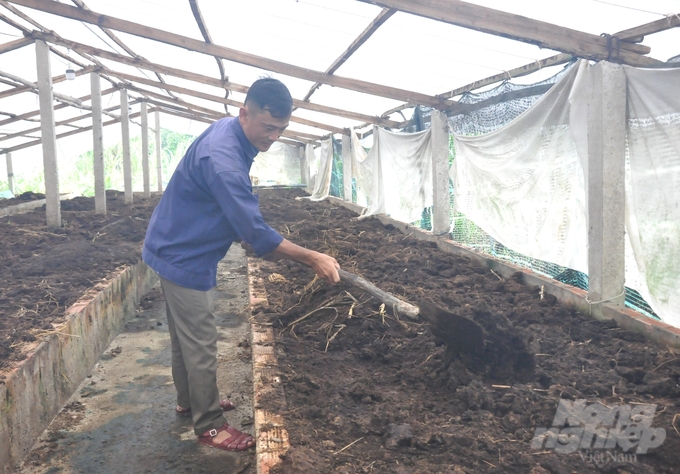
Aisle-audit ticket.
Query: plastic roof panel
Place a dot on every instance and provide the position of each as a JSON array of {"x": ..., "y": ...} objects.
[{"x": 407, "y": 51}]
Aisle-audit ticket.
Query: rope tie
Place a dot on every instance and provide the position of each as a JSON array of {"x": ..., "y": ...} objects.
[
  {"x": 538, "y": 63},
  {"x": 669, "y": 17},
  {"x": 606, "y": 299}
]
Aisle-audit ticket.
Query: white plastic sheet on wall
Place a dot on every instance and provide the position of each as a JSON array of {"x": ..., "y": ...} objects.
[
  {"x": 320, "y": 177},
  {"x": 524, "y": 183},
  {"x": 361, "y": 173},
  {"x": 279, "y": 165},
  {"x": 400, "y": 167},
  {"x": 653, "y": 188},
  {"x": 309, "y": 161}
]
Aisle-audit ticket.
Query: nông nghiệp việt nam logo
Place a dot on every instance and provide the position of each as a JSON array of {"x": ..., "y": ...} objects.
[{"x": 579, "y": 425}]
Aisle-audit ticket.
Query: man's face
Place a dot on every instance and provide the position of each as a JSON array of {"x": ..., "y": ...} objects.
[{"x": 261, "y": 129}]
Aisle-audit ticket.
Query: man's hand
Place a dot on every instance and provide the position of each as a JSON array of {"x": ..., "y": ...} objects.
[{"x": 325, "y": 266}]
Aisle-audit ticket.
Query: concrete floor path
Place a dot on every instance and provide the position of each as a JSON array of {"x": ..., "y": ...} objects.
[{"x": 122, "y": 418}]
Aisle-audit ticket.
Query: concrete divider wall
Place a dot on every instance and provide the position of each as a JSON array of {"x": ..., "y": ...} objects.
[
  {"x": 654, "y": 330},
  {"x": 270, "y": 431},
  {"x": 27, "y": 206},
  {"x": 21, "y": 208},
  {"x": 37, "y": 388}
]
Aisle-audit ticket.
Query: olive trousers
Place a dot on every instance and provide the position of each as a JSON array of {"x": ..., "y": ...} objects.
[{"x": 193, "y": 336}]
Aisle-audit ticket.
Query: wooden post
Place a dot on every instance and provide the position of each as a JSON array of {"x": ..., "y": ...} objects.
[
  {"x": 441, "y": 204},
  {"x": 605, "y": 173},
  {"x": 98, "y": 145},
  {"x": 125, "y": 129},
  {"x": 347, "y": 167},
  {"x": 159, "y": 167},
  {"x": 49, "y": 138},
  {"x": 10, "y": 172},
  {"x": 145, "y": 152}
]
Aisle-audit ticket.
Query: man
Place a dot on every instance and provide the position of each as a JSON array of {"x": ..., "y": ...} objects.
[{"x": 208, "y": 205}]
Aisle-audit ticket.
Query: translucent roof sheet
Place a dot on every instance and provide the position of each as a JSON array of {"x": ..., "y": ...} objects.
[{"x": 407, "y": 52}]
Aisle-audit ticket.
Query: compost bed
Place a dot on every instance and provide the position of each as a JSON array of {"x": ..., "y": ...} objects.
[
  {"x": 354, "y": 375},
  {"x": 43, "y": 271},
  {"x": 21, "y": 198}
]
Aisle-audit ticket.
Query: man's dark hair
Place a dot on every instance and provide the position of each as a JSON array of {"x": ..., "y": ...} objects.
[{"x": 272, "y": 95}]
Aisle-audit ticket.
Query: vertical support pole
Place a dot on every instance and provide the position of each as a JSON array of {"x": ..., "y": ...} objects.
[
  {"x": 606, "y": 175},
  {"x": 125, "y": 132},
  {"x": 10, "y": 172},
  {"x": 309, "y": 159},
  {"x": 301, "y": 152},
  {"x": 98, "y": 145},
  {"x": 304, "y": 167},
  {"x": 347, "y": 167},
  {"x": 49, "y": 137},
  {"x": 441, "y": 204},
  {"x": 145, "y": 152},
  {"x": 159, "y": 167}
]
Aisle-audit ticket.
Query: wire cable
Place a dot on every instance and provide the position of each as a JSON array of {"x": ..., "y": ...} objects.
[{"x": 628, "y": 8}]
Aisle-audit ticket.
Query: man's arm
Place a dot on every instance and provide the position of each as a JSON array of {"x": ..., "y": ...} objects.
[{"x": 325, "y": 266}]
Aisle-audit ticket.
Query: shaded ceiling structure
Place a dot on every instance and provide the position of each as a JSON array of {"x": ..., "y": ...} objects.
[{"x": 347, "y": 63}]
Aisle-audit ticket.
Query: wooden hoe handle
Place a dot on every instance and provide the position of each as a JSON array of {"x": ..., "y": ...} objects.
[{"x": 401, "y": 307}]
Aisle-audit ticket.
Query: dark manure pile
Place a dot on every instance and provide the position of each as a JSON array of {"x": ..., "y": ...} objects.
[
  {"x": 367, "y": 391},
  {"x": 43, "y": 271}
]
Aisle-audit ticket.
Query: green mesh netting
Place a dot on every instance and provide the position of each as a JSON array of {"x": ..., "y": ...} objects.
[
  {"x": 337, "y": 187},
  {"x": 466, "y": 232}
]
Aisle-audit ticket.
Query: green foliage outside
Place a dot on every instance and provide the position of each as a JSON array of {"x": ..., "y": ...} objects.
[
  {"x": 34, "y": 182},
  {"x": 78, "y": 176}
]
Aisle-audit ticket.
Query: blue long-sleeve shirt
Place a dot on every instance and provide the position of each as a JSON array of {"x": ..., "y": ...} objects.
[{"x": 207, "y": 205}]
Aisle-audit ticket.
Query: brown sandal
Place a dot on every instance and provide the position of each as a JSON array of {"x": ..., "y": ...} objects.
[
  {"x": 237, "y": 441},
  {"x": 225, "y": 405}
]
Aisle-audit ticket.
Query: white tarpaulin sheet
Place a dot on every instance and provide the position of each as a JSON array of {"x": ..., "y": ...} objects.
[
  {"x": 279, "y": 165},
  {"x": 400, "y": 167},
  {"x": 653, "y": 188},
  {"x": 524, "y": 183},
  {"x": 361, "y": 172},
  {"x": 320, "y": 177},
  {"x": 309, "y": 161}
]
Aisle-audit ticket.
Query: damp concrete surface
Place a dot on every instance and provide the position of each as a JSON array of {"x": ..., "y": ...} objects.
[{"x": 122, "y": 419}]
